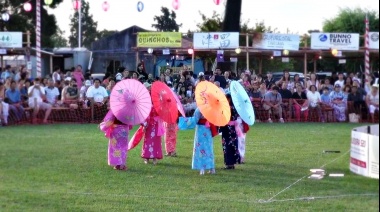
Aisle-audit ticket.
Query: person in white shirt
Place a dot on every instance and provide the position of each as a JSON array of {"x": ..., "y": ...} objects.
[
  {"x": 36, "y": 95},
  {"x": 97, "y": 94},
  {"x": 314, "y": 99},
  {"x": 52, "y": 93},
  {"x": 57, "y": 74},
  {"x": 340, "y": 80},
  {"x": 372, "y": 100}
]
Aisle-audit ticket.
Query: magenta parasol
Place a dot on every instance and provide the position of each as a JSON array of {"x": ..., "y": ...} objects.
[{"x": 130, "y": 102}]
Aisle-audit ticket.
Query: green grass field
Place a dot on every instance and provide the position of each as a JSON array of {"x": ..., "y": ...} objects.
[{"x": 64, "y": 168}]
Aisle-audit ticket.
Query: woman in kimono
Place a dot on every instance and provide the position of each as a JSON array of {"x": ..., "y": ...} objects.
[
  {"x": 203, "y": 153},
  {"x": 154, "y": 130},
  {"x": 117, "y": 133},
  {"x": 339, "y": 103},
  {"x": 241, "y": 138},
  {"x": 171, "y": 139},
  {"x": 230, "y": 140}
]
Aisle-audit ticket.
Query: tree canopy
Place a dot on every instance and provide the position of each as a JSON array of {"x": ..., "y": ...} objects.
[
  {"x": 352, "y": 21},
  {"x": 89, "y": 27},
  {"x": 23, "y": 21},
  {"x": 167, "y": 21}
]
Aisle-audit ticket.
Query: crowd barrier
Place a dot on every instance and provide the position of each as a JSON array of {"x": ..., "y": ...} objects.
[{"x": 95, "y": 114}]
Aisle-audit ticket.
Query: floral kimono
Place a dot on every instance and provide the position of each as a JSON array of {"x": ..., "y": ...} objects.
[
  {"x": 117, "y": 133},
  {"x": 340, "y": 108},
  {"x": 171, "y": 138},
  {"x": 152, "y": 147}
]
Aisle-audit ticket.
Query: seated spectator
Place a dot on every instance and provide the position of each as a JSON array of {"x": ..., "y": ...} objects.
[
  {"x": 373, "y": 101},
  {"x": 314, "y": 99},
  {"x": 15, "y": 104},
  {"x": 97, "y": 94},
  {"x": 218, "y": 85},
  {"x": 84, "y": 89},
  {"x": 110, "y": 86},
  {"x": 273, "y": 104},
  {"x": 300, "y": 104},
  {"x": 325, "y": 97},
  {"x": 263, "y": 89},
  {"x": 285, "y": 92},
  {"x": 70, "y": 94},
  {"x": 356, "y": 98},
  {"x": 36, "y": 95},
  {"x": 52, "y": 93},
  {"x": 4, "y": 107},
  {"x": 339, "y": 103},
  {"x": 254, "y": 93}
]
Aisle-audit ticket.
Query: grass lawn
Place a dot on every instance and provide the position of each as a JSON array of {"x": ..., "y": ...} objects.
[{"x": 64, "y": 168}]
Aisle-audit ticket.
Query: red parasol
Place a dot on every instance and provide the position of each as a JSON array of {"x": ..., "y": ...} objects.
[
  {"x": 179, "y": 104},
  {"x": 164, "y": 102}
]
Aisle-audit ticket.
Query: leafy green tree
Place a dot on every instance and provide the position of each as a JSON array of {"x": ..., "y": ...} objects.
[
  {"x": 89, "y": 27},
  {"x": 167, "y": 21},
  {"x": 210, "y": 24},
  {"x": 26, "y": 21},
  {"x": 59, "y": 39},
  {"x": 105, "y": 33},
  {"x": 352, "y": 21}
]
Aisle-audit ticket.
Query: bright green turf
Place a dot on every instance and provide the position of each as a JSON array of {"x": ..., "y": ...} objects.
[{"x": 64, "y": 168}]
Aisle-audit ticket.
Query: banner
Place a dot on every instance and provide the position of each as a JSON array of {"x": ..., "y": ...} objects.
[
  {"x": 276, "y": 41},
  {"x": 10, "y": 39},
  {"x": 216, "y": 40},
  {"x": 339, "y": 41},
  {"x": 359, "y": 153},
  {"x": 159, "y": 39},
  {"x": 373, "y": 156},
  {"x": 374, "y": 40}
]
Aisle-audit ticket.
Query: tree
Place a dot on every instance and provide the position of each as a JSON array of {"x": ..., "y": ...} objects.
[
  {"x": 89, "y": 27},
  {"x": 23, "y": 21},
  {"x": 59, "y": 39},
  {"x": 352, "y": 21},
  {"x": 167, "y": 21},
  {"x": 105, "y": 33},
  {"x": 213, "y": 24}
]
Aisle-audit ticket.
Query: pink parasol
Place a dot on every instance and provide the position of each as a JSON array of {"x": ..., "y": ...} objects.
[
  {"x": 130, "y": 102},
  {"x": 179, "y": 105}
]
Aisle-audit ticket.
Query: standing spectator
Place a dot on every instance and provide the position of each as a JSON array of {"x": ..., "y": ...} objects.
[
  {"x": 270, "y": 81},
  {"x": 339, "y": 103},
  {"x": 110, "y": 86},
  {"x": 219, "y": 78},
  {"x": 4, "y": 107},
  {"x": 340, "y": 80},
  {"x": 272, "y": 104},
  {"x": 373, "y": 101},
  {"x": 52, "y": 93},
  {"x": 7, "y": 73},
  {"x": 313, "y": 81},
  {"x": 298, "y": 80},
  {"x": 78, "y": 76},
  {"x": 97, "y": 94},
  {"x": 327, "y": 84},
  {"x": 14, "y": 97},
  {"x": 300, "y": 104},
  {"x": 36, "y": 95},
  {"x": 142, "y": 72},
  {"x": 57, "y": 74}
]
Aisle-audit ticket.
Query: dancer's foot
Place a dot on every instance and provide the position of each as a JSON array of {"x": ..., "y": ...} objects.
[
  {"x": 202, "y": 172},
  {"x": 154, "y": 161},
  {"x": 146, "y": 161},
  {"x": 212, "y": 171},
  {"x": 229, "y": 167},
  {"x": 173, "y": 154}
]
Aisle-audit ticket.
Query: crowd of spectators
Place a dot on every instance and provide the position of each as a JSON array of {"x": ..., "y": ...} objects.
[{"x": 290, "y": 97}]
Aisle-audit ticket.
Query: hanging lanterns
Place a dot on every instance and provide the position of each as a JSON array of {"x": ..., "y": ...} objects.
[
  {"x": 27, "y": 7},
  {"x": 77, "y": 4},
  {"x": 286, "y": 52},
  {"x": 176, "y": 4},
  {"x": 106, "y": 6},
  {"x": 48, "y": 2},
  {"x": 217, "y": 2},
  {"x": 5, "y": 17},
  {"x": 335, "y": 52},
  {"x": 140, "y": 6},
  {"x": 190, "y": 51}
]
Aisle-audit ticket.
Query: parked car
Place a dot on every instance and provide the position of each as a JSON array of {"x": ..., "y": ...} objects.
[{"x": 278, "y": 75}]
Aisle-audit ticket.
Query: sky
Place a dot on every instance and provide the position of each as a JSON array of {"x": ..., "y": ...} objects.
[{"x": 293, "y": 16}]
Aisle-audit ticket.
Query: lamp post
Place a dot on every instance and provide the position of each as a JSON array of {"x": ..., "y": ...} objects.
[{"x": 78, "y": 6}]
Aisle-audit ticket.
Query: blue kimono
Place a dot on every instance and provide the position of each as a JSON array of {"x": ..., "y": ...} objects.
[{"x": 203, "y": 153}]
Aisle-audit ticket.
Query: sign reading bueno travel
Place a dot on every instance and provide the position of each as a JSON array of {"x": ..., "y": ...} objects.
[
  {"x": 159, "y": 39},
  {"x": 340, "y": 41}
]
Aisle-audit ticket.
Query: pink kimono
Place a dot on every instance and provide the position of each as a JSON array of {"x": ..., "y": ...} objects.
[
  {"x": 152, "y": 147},
  {"x": 170, "y": 138},
  {"x": 117, "y": 134}
]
